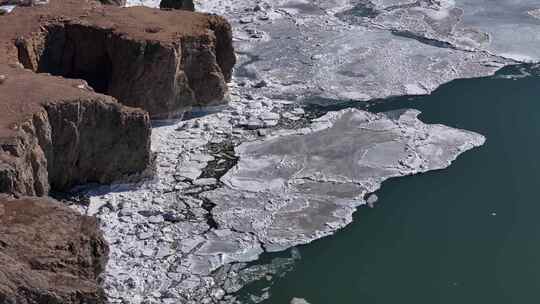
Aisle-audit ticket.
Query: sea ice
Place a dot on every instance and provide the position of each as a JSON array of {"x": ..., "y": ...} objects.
[{"x": 290, "y": 190}]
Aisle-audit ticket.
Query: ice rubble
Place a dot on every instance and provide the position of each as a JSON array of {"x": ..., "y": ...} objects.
[
  {"x": 171, "y": 237},
  {"x": 184, "y": 236}
]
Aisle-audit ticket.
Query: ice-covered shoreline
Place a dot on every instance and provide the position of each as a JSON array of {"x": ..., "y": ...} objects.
[
  {"x": 184, "y": 236},
  {"x": 169, "y": 237}
]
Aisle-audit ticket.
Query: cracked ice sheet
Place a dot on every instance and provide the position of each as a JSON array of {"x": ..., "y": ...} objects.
[
  {"x": 514, "y": 25},
  {"x": 162, "y": 249},
  {"x": 361, "y": 64},
  {"x": 306, "y": 50},
  {"x": 295, "y": 188},
  {"x": 507, "y": 28}
]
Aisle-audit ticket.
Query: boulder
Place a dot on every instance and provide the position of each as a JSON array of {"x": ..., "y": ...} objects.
[
  {"x": 49, "y": 253},
  {"x": 57, "y": 132}
]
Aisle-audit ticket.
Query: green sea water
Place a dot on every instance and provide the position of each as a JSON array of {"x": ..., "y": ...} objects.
[{"x": 466, "y": 234}]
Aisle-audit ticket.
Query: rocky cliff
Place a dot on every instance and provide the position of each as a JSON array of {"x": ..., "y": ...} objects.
[
  {"x": 48, "y": 253},
  {"x": 80, "y": 113},
  {"x": 161, "y": 61},
  {"x": 58, "y": 133}
]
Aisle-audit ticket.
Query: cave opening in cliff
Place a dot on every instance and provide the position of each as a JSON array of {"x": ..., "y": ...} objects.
[
  {"x": 71, "y": 51},
  {"x": 98, "y": 75}
]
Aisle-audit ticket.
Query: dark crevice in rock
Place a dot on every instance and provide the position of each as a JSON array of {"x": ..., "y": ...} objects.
[
  {"x": 79, "y": 52},
  {"x": 98, "y": 78},
  {"x": 177, "y": 4}
]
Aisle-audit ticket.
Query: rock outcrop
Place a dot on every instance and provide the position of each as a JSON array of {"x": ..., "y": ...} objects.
[
  {"x": 161, "y": 61},
  {"x": 48, "y": 253},
  {"x": 56, "y": 132},
  {"x": 187, "y": 5},
  {"x": 112, "y": 69}
]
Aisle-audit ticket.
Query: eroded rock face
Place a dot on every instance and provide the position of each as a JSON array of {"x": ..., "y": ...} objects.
[
  {"x": 95, "y": 141},
  {"x": 161, "y": 61},
  {"x": 60, "y": 133},
  {"x": 178, "y": 4},
  {"x": 48, "y": 253},
  {"x": 56, "y": 132}
]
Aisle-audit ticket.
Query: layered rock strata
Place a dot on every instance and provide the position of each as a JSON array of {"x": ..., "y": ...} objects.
[
  {"x": 58, "y": 133},
  {"x": 161, "y": 61},
  {"x": 48, "y": 253}
]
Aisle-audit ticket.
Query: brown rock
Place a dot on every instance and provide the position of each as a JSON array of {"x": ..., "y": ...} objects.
[
  {"x": 162, "y": 61},
  {"x": 187, "y": 5},
  {"x": 55, "y": 133},
  {"x": 48, "y": 253}
]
